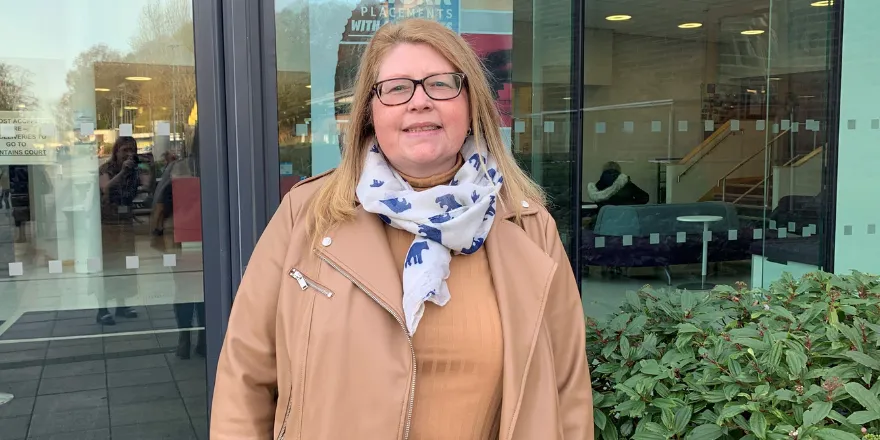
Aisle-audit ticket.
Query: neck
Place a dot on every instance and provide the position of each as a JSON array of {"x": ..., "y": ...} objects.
[{"x": 436, "y": 179}]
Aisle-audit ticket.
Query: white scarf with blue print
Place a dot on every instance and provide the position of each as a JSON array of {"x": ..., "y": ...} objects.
[{"x": 446, "y": 219}]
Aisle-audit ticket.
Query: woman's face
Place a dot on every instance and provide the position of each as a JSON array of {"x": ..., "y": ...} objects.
[
  {"x": 126, "y": 151},
  {"x": 422, "y": 137}
]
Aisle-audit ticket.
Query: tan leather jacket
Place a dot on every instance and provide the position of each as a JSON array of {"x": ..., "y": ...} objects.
[{"x": 316, "y": 348}]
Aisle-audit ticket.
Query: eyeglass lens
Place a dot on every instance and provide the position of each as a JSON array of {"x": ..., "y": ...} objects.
[{"x": 439, "y": 87}]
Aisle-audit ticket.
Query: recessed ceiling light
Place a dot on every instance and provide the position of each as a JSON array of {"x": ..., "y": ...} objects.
[
  {"x": 753, "y": 32},
  {"x": 101, "y": 89},
  {"x": 139, "y": 126},
  {"x": 753, "y": 91},
  {"x": 567, "y": 98},
  {"x": 773, "y": 78},
  {"x": 130, "y": 107},
  {"x": 690, "y": 25},
  {"x": 308, "y": 86},
  {"x": 822, "y": 3},
  {"x": 22, "y": 106},
  {"x": 808, "y": 96},
  {"x": 620, "y": 17},
  {"x": 138, "y": 78}
]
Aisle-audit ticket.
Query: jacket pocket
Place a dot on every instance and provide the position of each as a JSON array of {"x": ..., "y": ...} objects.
[{"x": 305, "y": 283}]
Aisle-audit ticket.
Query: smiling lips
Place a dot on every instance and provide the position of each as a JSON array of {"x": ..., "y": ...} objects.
[{"x": 421, "y": 127}]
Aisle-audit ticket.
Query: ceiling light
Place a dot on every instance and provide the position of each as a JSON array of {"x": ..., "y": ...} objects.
[
  {"x": 773, "y": 78},
  {"x": 567, "y": 98},
  {"x": 753, "y": 91},
  {"x": 22, "y": 106},
  {"x": 138, "y": 78},
  {"x": 101, "y": 89},
  {"x": 690, "y": 25},
  {"x": 808, "y": 96},
  {"x": 308, "y": 86},
  {"x": 822, "y": 3},
  {"x": 753, "y": 32},
  {"x": 621, "y": 17},
  {"x": 130, "y": 107}
]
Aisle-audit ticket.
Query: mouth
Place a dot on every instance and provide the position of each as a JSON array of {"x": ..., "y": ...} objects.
[{"x": 422, "y": 128}]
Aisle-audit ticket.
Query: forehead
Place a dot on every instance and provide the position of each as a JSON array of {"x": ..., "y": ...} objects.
[{"x": 414, "y": 61}]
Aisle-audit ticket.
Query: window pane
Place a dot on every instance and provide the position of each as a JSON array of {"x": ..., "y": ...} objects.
[
  {"x": 101, "y": 301},
  {"x": 703, "y": 144}
]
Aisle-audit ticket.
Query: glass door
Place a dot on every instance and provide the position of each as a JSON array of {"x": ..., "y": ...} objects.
[{"x": 102, "y": 318}]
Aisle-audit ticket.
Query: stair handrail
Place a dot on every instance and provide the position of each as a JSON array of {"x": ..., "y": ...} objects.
[
  {"x": 710, "y": 143},
  {"x": 722, "y": 182}
]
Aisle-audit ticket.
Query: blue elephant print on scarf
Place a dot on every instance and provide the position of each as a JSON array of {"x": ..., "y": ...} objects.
[
  {"x": 385, "y": 218},
  {"x": 440, "y": 218},
  {"x": 448, "y": 202},
  {"x": 374, "y": 149},
  {"x": 491, "y": 210},
  {"x": 377, "y": 183},
  {"x": 397, "y": 205},
  {"x": 430, "y": 233},
  {"x": 475, "y": 161},
  {"x": 475, "y": 197},
  {"x": 414, "y": 256},
  {"x": 475, "y": 247}
]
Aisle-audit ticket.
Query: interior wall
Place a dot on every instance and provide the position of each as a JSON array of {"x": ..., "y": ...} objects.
[{"x": 644, "y": 69}]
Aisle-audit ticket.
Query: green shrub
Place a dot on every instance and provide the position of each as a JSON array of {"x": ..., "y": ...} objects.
[{"x": 798, "y": 361}]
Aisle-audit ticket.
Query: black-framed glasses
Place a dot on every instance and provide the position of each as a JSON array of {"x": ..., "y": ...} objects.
[{"x": 439, "y": 87}]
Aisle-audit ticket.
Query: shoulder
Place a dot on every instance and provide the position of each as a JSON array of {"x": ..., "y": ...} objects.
[{"x": 304, "y": 190}]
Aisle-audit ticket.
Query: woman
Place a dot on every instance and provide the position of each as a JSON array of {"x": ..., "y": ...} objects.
[
  {"x": 615, "y": 188},
  {"x": 118, "y": 179},
  {"x": 420, "y": 290}
]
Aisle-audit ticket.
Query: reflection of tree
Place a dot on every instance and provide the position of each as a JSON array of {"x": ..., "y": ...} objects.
[
  {"x": 15, "y": 88},
  {"x": 294, "y": 37},
  {"x": 162, "y": 49}
]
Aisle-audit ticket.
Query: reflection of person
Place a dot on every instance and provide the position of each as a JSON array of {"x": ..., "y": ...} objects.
[
  {"x": 118, "y": 179},
  {"x": 5, "y": 190},
  {"x": 615, "y": 188},
  {"x": 376, "y": 274}
]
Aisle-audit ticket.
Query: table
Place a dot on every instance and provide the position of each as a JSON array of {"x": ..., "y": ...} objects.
[{"x": 705, "y": 220}]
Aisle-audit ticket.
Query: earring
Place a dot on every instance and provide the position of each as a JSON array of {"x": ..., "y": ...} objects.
[{"x": 470, "y": 131}]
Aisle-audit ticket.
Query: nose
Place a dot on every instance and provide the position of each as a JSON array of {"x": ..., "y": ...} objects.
[{"x": 420, "y": 100}]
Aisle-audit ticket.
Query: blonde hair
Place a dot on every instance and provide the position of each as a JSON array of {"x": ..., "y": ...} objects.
[{"x": 335, "y": 202}]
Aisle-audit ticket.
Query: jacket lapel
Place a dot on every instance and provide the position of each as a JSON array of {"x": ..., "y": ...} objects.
[
  {"x": 521, "y": 273},
  {"x": 359, "y": 248}
]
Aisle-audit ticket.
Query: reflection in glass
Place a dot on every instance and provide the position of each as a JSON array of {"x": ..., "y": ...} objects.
[{"x": 100, "y": 228}]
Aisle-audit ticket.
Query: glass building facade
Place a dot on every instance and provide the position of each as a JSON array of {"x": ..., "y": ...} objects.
[{"x": 144, "y": 145}]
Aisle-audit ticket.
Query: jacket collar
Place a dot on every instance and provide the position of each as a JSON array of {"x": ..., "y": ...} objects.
[{"x": 360, "y": 249}]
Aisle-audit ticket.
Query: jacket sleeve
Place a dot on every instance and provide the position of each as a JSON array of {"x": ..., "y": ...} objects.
[
  {"x": 638, "y": 195},
  {"x": 243, "y": 407},
  {"x": 564, "y": 317}
]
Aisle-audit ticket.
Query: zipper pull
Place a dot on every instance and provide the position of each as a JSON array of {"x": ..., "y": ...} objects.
[{"x": 298, "y": 276}]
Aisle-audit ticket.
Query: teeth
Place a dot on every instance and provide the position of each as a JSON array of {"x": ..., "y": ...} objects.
[{"x": 428, "y": 128}]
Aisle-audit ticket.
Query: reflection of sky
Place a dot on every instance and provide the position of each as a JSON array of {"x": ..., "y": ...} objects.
[{"x": 45, "y": 36}]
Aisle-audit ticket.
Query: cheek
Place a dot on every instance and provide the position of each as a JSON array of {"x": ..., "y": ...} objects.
[{"x": 457, "y": 117}]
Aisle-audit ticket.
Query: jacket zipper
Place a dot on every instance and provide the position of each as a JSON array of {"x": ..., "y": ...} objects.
[
  {"x": 305, "y": 283},
  {"x": 412, "y": 391}
]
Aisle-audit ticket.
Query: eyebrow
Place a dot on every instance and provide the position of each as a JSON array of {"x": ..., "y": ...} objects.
[{"x": 396, "y": 76}]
